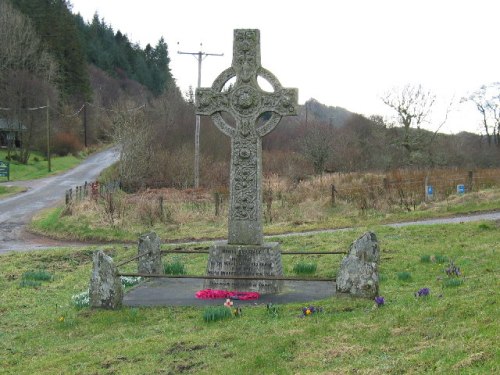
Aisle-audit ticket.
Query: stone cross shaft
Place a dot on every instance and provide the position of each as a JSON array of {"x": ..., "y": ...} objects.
[{"x": 246, "y": 102}]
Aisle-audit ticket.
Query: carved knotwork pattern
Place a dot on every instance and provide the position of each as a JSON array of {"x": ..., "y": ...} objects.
[
  {"x": 244, "y": 198},
  {"x": 246, "y": 55},
  {"x": 245, "y": 100}
]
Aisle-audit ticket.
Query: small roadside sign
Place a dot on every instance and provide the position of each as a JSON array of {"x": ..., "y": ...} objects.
[{"x": 5, "y": 169}]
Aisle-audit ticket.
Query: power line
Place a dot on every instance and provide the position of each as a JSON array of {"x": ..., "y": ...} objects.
[
  {"x": 116, "y": 111},
  {"x": 24, "y": 109},
  {"x": 200, "y": 56}
]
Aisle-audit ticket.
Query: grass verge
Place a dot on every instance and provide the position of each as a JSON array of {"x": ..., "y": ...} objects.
[
  {"x": 37, "y": 166},
  {"x": 6, "y": 191},
  {"x": 452, "y": 330},
  {"x": 192, "y": 220}
]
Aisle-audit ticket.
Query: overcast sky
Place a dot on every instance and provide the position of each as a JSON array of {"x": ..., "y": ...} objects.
[{"x": 342, "y": 53}]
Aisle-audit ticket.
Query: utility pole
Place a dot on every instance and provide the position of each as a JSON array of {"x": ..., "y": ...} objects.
[
  {"x": 199, "y": 56},
  {"x": 306, "y": 112},
  {"x": 85, "y": 124},
  {"x": 48, "y": 136}
]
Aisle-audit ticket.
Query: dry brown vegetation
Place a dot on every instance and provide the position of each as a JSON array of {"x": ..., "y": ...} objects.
[{"x": 290, "y": 205}]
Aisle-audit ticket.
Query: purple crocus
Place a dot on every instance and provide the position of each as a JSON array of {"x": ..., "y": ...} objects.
[
  {"x": 379, "y": 301},
  {"x": 423, "y": 292}
]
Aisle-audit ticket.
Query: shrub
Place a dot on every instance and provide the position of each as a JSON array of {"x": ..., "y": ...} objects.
[
  {"x": 484, "y": 226},
  {"x": 214, "y": 313},
  {"x": 174, "y": 268},
  {"x": 303, "y": 268},
  {"x": 273, "y": 310},
  {"x": 425, "y": 259},
  {"x": 450, "y": 283},
  {"x": 66, "y": 143},
  {"x": 39, "y": 275},
  {"x": 29, "y": 283},
  {"x": 440, "y": 258},
  {"x": 404, "y": 276}
]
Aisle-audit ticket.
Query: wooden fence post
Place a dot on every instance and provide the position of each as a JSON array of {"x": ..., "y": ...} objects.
[
  {"x": 333, "y": 195},
  {"x": 217, "y": 203},
  {"x": 160, "y": 204},
  {"x": 470, "y": 176}
]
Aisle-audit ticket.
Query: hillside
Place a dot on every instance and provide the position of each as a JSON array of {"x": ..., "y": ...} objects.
[{"x": 99, "y": 87}]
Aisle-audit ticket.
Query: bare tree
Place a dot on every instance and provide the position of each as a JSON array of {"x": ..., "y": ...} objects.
[
  {"x": 133, "y": 132},
  {"x": 27, "y": 73},
  {"x": 20, "y": 46},
  {"x": 487, "y": 102},
  {"x": 316, "y": 146},
  {"x": 413, "y": 105}
]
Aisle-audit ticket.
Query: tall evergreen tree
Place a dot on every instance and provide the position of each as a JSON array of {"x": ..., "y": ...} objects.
[{"x": 58, "y": 30}]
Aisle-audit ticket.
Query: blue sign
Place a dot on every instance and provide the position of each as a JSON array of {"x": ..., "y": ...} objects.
[
  {"x": 460, "y": 189},
  {"x": 430, "y": 190}
]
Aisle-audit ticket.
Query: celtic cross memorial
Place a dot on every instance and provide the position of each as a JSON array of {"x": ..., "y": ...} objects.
[{"x": 245, "y": 254}]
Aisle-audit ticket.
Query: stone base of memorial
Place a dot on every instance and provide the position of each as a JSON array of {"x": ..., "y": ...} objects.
[{"x": 245, "y": 260}]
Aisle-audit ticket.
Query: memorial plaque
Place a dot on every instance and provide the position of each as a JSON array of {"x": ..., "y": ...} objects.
[{"x": 240, "y": 260}]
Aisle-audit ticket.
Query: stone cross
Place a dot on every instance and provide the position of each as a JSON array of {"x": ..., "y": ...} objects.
[{"x": 246, "y": 102}]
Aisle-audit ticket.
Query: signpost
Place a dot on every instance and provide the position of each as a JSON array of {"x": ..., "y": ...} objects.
[
  {"x": 5, "y": 169},
  {"x": 461, "y": 189},
  {"x": 429, "y": 192}
]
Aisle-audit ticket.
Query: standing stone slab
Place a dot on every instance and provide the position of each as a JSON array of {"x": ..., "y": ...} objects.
[
  {"x": 358, "y": 274},
  {"x": 149, "y": 247},
  {"x": 245, "y": 260},
  {"x": 106, "y": 290},
  {"x": 246, "y": 102}
]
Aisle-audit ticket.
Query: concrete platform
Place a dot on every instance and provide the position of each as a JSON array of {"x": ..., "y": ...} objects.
[{"x": 181, "y": 292}]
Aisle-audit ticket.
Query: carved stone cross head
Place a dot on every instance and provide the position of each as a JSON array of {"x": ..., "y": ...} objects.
[{"x": 246, "y": 102}]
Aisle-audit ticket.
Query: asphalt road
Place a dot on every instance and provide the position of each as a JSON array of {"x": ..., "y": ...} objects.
[{"x": 16, "y": 211}]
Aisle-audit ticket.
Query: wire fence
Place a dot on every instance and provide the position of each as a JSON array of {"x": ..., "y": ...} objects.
[
  {"x": 364, "y": 192},
  {"x": 92, "y": 190}
]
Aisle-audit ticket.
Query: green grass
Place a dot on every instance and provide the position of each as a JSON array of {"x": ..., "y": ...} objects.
[
  {"x": 450, "y": 283},
  {"x": 176, "y": 267},
  {"x": 304, "y": 268},
  {"x": 37, "y": 166},
  {"x": 453, "y": 330},
  {"x": 27, "y": 283},
  {"x": 216, "y": 313},
  {"x": 404, "y": 276},
  {"x": 5, "y": 191},
  {"x": 425, "y": 258},
  {"x": 38, "y": 275},
  {"x": 439, "y": 258}
]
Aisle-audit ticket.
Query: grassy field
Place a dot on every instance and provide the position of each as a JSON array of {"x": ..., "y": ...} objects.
[
  {"x": 453, "y": 330},
  {"x": 37, "y": 166}
]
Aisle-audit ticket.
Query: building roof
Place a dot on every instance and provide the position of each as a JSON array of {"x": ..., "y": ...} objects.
[{"x": 11, "y": 125}]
